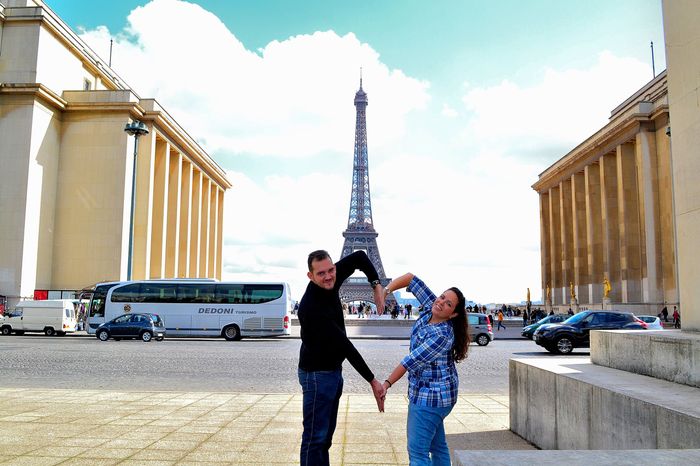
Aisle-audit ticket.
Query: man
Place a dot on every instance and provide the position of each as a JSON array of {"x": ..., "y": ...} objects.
[{"x": 324, "y": 347}]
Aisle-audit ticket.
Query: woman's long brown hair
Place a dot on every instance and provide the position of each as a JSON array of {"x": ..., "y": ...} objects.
[{"x": 460, "y": 327}]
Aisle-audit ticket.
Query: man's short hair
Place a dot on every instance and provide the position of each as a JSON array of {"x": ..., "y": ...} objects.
[{"x": 317, "y": 256}]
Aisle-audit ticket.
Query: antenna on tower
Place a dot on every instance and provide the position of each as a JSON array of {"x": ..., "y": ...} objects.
[
  {"x": 653, "y": 67},
  {"x": 110, "y": 52},
  {"x": 360, "y": 78}
]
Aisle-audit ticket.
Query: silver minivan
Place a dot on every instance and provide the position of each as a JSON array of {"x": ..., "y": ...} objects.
[{"x": 480, "y": 329}]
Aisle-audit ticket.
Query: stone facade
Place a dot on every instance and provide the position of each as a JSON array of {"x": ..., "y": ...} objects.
[
  {"x": 606, "y": 210},
  {"x": 682, "y": 37},
  {"x": 66, "y": 169}
]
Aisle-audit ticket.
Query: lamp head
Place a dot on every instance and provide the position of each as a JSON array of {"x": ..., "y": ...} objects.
[{"x": 136, "y": 128}]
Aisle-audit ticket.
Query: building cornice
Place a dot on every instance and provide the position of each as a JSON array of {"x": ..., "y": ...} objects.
[
  {"x": 186, "y": 145},
  {"x": 647, "y": 106},
  {"x": 47, "y": 18},
  {"x": 37, "y": 90}
]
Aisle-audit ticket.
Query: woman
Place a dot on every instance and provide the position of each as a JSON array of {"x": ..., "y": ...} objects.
[{"x": 439, "y": 339}]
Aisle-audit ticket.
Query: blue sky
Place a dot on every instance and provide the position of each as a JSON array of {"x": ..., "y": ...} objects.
[{"x": 468, "y": 102}]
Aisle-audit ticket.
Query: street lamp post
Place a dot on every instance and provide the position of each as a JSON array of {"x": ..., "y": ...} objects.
[{"x": 135, "y": 128}]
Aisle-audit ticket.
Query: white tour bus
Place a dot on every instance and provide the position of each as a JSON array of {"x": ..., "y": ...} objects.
[{"x": 191, "y": 307}]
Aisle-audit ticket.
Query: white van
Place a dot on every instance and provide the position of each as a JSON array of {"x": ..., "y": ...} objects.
[{"x": 53, "y": 317}]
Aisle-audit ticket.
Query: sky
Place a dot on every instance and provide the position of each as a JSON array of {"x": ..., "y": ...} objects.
[{"x": 469, "y": 101}]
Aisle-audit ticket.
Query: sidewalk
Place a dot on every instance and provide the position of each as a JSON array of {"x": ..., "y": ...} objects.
[{"x": 91, "y": 427}]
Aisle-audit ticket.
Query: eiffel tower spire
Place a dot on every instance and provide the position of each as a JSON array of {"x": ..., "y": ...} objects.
[{"x": 360, "y": 233}]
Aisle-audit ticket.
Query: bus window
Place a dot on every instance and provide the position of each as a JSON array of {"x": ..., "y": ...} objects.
[
  {"x": 258, "y": 294},
  {"x": 157, "y": 292},
  {"x": 195, "y": 293},
  {"x": 229, "y": 293},
  {"x": 127, "y": 294}
]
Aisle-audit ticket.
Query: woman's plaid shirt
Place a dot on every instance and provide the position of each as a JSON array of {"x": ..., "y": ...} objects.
[{"x": 432, "y": 376}]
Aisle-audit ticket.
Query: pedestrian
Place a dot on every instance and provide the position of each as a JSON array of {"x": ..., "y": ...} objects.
[
  {"x": 664, "y": 313},
  {"x": 439, "y": 339},
  {"x": 408, "y": 311},
  {"x": 524, "y": 318},
  {"x": 360, "y": 311},
  {"x": 676, "y": 318},
  {"x": 500, "y": 320},
  {"x": 324, "y": 347},
  {"x": 570, "y": 312}
]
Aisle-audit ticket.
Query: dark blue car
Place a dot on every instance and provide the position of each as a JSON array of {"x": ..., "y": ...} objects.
[{"x": 143, "y": 326}]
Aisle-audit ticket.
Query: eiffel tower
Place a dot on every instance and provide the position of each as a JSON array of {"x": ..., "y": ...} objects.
[{"x": 360, "y": 234}]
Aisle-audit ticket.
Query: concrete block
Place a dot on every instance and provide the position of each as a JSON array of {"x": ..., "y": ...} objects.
[
  {"x": 619, "y": 421},
  {"x": 573, "y": 418},
  {"x": 575, "y": 458},
  {"x": 541, "y": 421},
  {"x": 573, "y": 404},
  {"x": 671, "y": 355},
  {"x": 677, "y": 430}
]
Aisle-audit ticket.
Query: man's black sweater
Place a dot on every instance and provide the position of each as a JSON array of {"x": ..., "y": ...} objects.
[{"x": 324, "y": 343}]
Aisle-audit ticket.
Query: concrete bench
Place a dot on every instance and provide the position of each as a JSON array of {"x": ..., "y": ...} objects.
[{"x": 575, "y": 457}]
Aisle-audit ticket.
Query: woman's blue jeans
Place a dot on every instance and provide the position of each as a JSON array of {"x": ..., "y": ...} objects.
[
  {"x": 425, "y": 430},
  {"x": 322, "y": 391}
]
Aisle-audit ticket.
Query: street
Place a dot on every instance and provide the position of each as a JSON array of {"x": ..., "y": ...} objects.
[{"x": 251, "y": 365}]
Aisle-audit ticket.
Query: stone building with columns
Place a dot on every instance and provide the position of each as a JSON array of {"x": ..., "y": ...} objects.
[
  {"x": 66, "y": 170},
  {"x": 606, "y": 211}
]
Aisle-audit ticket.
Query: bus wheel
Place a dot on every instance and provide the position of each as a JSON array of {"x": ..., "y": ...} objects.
[
  {"x": 6, "y": 330},
  {"x": 232, "y": 333},
  {"x": 49, "y": 331},
  {"x": 146, "y": 336}
]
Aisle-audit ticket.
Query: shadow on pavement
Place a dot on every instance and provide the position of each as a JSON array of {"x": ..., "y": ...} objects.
[{"x": 488, "y": 440}]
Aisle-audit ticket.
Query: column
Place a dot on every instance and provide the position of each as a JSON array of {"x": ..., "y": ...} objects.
[
  {"x": 172, "y": 236},
  {"x": 143, "y": 210},
  {"x": 185, "y": 219},
  {"x": 203, "y": 265},
  {"x": 555, "y": 244},
  {"x": 213, "y": 228},
  {"x": 647, "y": 180},
  {"x": 628, "y": 207},
  {"x": 195, "y": 224},
  {"x": 220, "y": 235},
  {"x": 160, "y": 208},
  {"x": 580, "y": 242},
  {"x": 566, "y": 224},
  {"x": 594, "y": 233},
  {"x": 545, "y": 254},
  {"x": 610, "y": 226}
]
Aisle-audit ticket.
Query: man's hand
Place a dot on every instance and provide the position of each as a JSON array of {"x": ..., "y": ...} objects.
[
  {"x": 379, "y": 394},
  {"x": 379, "y": 298}
]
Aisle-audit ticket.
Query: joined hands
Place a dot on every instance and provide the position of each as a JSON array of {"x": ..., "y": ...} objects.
[{"x": 379, "y": 394}]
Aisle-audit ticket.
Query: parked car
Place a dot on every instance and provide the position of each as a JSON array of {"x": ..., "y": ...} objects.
[
  {"x": 480, "y": 329},
  {"x": 528, "y": 330},
  {"x": 143, "y": 326},
  {"x": 575, "y": 331},
  {"x": 653, "y": 322}
]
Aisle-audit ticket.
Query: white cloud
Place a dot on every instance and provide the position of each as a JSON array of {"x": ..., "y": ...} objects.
[
  {"x": 449, "y": 112},
  {"x": 453, "y": 206},
  {"x": 555, "y": 114},
  {"x": 292, "y": 100}
]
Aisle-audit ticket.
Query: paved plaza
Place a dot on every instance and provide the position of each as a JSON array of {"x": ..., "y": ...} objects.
[{"x": 101, "y": 427}]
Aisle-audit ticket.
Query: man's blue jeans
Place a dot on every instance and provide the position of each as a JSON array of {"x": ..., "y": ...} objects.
[
  {"x": 322, "y": 391},
  {"x": 425, "y": 430}
]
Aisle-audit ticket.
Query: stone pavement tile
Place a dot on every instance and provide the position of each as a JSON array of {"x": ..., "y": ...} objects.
[
  {"x": 145, "y": 433},
  {"x": 89, "y": 462},
  {"x": 34, "y": 461},
  {"x": 109, "y": 453},
  {"x": 173, "y": 445},
  {"x": 158, "y": 455},
  {"x": 353, "y": 457},
  {"x": 210, "y": 456},
  {"x": 186, "y": 436},
  {"x": 273, "y": 456},
  {"x": 59, "y": 452},
  {"x": 196, "y": 428},
  {"x": 127, "y": 443},
  {"x": 220, "y": 446},
  {"x": 130, "y": 462}
]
